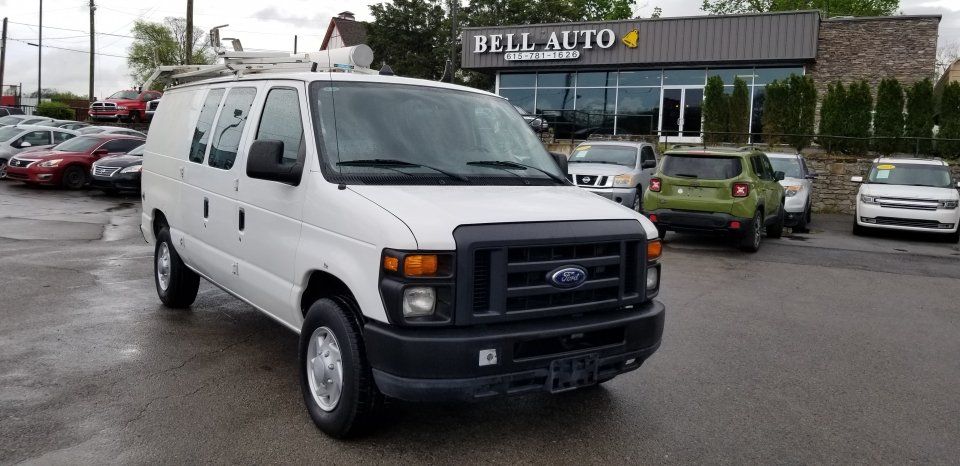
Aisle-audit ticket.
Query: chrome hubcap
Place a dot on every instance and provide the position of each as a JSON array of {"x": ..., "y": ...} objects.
[
  {"x": 163, "y": 266},
  {"x": 324, "y": 368}
]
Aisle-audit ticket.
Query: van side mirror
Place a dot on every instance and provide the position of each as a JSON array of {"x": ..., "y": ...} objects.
[
  {"x": 561, "y": 161},
  {"x": 648, "y": 163},
  {"x": 856, "y": 179},
  {"x": 265, "y": 162},
  {"x": 779, "y": 176}
]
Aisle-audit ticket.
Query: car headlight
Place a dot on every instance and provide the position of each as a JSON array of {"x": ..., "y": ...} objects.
[
  {"x": 868, "y": 199},
  {"x": 51, "y": 163},
  {"x": 132, "y": 169},
  {"x": 419, "y": 301},
  {"x": 948, "y": 204},
  {"x": 622, "y": 180},
  {"x": 791, "y": 191}
]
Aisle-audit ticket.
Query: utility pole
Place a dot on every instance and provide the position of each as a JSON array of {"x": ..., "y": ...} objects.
[
  {"x": 454, "y": 5},
  {"x": 189, "y": 45},
  {"x": 40, "y": 56},
  {"x": 294, "y": 44},
  {"x": 3, "y": 53},
  {"x": 92, "y": 45}
]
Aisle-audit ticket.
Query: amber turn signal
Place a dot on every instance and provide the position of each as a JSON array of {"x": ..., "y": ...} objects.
[
  {"x": 391, "y": 263},
  {"x": 420, "y": 265},
  {"x": 654, "y": 250}
]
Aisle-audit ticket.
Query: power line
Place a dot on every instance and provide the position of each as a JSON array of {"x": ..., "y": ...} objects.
[
  {"x": 73, "y": 30},
  {"x": 72, "y": 50}
]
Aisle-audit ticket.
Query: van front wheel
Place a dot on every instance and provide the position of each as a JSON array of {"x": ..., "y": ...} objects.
[
  {"x": 177, "y": 285},
  {"x": 335, "y": 378}
]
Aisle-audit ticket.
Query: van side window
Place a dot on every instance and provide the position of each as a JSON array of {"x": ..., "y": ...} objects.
[
  {"x": 201, "y": 136},
  {"x": 280, "y": 120},
  {"x": 233, "y": 117}
]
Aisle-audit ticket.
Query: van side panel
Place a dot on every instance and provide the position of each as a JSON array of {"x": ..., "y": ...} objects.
[{"x": 168, "y": 143}]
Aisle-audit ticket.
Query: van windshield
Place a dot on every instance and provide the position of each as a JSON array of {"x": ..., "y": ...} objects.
[
  {"x": 910, "y": 174},
  {"x": 702, "y": 167},
  {"x": 381, "y": 133}
]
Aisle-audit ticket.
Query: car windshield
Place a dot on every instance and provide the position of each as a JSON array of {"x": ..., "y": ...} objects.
[
  {"x": 702, "y": 167},
  {"x": 618, "y": 155},
  {"x": 377, "y": 133},
  {"x": 137, "y": 150},
  {"x": 78, "y": 144},
  {"x": 790, "y": 167},
  {"x": 9, "y": 132},
  {"x": 90, "y": 130},
  {"x": 11, "y": 120},
  {"x": 910, "y": 174},
  {"x": 126, "y": 95}
]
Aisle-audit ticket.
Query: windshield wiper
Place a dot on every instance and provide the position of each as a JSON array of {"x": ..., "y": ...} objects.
[
  {"x": 507, "y": 164},
  {"x": 388, "y": 163},
  {"x": 594, "y": 161}
]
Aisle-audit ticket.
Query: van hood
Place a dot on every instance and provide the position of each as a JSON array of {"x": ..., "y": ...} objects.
[
  {"x": 433, "y": 212},
  {"x": 909, "y": 192},
  {"x": 600, "y": 169}
]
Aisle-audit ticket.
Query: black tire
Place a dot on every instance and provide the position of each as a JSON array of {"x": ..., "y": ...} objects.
[
  {"x": 359, "y": 398},
  {"x": 135, "y": 117},
  {"x": 954, "y": 237},
  {"x": 802, "y": 222},
  {"x": 182, "y": 283},
  {"x": 662, "y": 233},
  {"x": 751, "y": 238},
  {"x": 775, "y": 230},
  {"x": 74, "y": 177},
  {"x": 638, "y": 199},
  {"x": 857, "y": 229},
  {"x": 3, "y": 169}
]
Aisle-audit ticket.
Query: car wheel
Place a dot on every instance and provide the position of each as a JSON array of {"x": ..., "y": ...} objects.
[
  {"x": 776, "y": 230},
  {"x": 74, "y": 177},
  {"x": 638, "y": 199},
  {"x": 335, "y": 377},
  {"x": 177, "y": 285},
  {"x": 661, "y": 233},
  {"x": 858, "y": 230},
  {"x": 3, "y": 169},
  {"x": 802, "y": 222},
  {"x": 135, "y": 117},
  {"x": 954, "y": 237},
  {"x": 751, "y": 239}
]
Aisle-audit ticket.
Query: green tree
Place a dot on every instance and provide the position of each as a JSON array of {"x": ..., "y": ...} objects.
[
  {"x": 832, "y": 114},
  {"x": 160, "y": 44},
  {"x": 716, "y": 114},
  {"x": 800, "y": 114},
  {"x": 776, "y": 104},
  {"x": 859, "y": 117},
  {"x": 411, "y": 36},
  {"x": 739, "y": 110},
  {"x": 829, "y": 8},
  {"x": 57, "y": 110},
  {"x": 950, "y": 121},
  {"x": 919, "y": 120},
  {"x": 888, "y": 119}
]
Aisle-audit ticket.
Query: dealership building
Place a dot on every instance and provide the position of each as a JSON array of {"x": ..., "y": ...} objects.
[{"x": 646, "y": 76}]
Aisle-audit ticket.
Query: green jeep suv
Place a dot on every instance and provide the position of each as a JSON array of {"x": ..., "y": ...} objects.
[{"x": 728, "y": 191}]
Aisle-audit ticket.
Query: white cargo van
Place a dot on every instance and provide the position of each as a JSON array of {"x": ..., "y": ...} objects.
[{"x": 416, "y": 234}]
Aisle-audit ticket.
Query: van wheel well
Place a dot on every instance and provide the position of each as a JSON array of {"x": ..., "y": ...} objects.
[
  {"x": 324, "y": 285},
  {"x": 159, "y": 221}
]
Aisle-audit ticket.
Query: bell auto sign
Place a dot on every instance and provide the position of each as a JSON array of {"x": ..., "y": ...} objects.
[{"x": 561, "y": 45}]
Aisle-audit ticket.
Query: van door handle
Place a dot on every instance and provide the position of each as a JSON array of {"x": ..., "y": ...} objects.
[
  {"x": 206, "y": 208},
  {"x": 242, "y": 221}
]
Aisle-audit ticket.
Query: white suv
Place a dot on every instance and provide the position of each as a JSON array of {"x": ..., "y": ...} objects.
[
  {"x": 416, "y": 234},
  {"x": 908, "y": 194}
]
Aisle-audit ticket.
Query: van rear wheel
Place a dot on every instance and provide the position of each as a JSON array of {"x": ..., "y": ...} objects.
[
  {"x": 335, "y": 377},
  {"x": 177, "y": 285}
]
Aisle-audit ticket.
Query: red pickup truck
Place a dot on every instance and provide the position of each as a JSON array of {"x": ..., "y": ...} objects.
[{"x": 123, "y": 106}]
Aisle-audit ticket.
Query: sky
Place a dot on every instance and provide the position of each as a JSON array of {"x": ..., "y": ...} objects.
[{"x": 260, "y": 25}]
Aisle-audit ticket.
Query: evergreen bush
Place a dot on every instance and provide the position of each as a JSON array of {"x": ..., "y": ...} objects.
[
  {"x": 55, "y": 110},
  {"x": 715, "y": 111},
  {"x": 949, "y": 121},
  {"x": 859, "y": 117},
  {"x": 919, "y": 120},
  {"x": 888, "y": 119},
  {"x": 739, "y": 111}
]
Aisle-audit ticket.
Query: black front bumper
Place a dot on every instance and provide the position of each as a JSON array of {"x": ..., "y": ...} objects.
[
  {"x": 118, "y": 182},
  {"x": 434, "y": 364},
  {"x": 681, "y": 220}
]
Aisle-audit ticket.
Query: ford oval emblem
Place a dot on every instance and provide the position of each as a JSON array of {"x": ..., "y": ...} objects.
[{"x": 570, "y": 276}]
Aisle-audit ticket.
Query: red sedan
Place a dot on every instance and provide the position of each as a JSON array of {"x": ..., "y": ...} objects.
[{"x": 68, "y": 164}]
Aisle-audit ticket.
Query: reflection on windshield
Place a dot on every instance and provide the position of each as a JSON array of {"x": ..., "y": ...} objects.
[
  {"x": 432, "y": 128},
  {"x": 128, "y": 95},
  {"x": 619, "y": 155},
  {"x": 77, "y": 144},
  {"x": 936, "y": 176},
  {"x": 790, "y": 167}
]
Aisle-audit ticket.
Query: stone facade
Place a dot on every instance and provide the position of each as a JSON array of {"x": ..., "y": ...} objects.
[
  {"x": 902, "y": 47},
  {"x": 832, "y": 190}
]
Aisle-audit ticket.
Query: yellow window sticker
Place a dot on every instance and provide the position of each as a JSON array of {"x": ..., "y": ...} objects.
[
  {"x": 885, "y": 167},
  {"x": 883, "y": 174},
  {"x": 582, "y": 148}
]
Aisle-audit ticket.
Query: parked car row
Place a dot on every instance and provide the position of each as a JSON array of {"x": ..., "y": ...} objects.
[
  {"x": 110, "y": 162},
  {"x": 742, "y": 192}
]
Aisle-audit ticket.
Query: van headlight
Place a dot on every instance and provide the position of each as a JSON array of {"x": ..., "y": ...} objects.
[
  {"x": 419, "y": 301},
  {"x": 948, "y": 204},
  {"x": 622, "y": 180},
  {"x": 868, "y": 199}
]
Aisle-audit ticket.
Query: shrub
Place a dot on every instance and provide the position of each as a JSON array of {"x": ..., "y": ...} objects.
[
  {"x": 776, "y": 103},
  {"x": 832, "y": 117},
  {"x": 919, "y": 120},
  {"x": 949, "y": 121},
  {"x": 803, "y": 108},
  {"x": 739, "y": 111},
  {"x": 56, "y": 110},
  {"x": 858, "y": 117},
  {"x": 888, "y": 119},
  {"x": 715, "y": 111}
]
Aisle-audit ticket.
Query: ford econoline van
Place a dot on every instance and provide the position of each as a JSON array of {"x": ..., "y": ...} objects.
[{"x": 416, "y": 234}]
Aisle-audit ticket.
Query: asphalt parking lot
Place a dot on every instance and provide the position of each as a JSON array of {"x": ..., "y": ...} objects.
[{"x": 822, "y": 347}]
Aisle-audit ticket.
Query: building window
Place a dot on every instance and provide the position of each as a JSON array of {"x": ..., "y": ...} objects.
[
  {"x": 518, "y": 80},
  {"x": 523, "y": 98}
]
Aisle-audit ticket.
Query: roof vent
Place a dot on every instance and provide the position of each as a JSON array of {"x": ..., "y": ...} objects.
[{"x": 346, "y": 15}]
